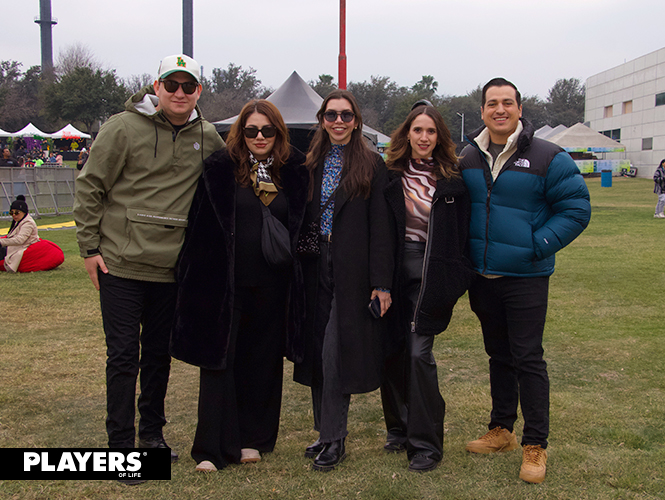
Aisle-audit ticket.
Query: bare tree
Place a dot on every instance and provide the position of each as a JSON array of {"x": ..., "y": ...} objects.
[
  {"x": 136, "y": 82},
  {"x": 74, "y": 56}
]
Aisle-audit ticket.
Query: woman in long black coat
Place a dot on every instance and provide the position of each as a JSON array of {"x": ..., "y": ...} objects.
[
  {"x": 431, "y": 209},
  {"x": 231, "y": 313},
  {"x": 344, "y": 343}
]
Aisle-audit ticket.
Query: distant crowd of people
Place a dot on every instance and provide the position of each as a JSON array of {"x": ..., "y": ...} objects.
[{"x": 19, "y": 155}]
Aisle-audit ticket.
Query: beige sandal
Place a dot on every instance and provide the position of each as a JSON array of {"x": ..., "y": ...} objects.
[
  {"x": 206, "y": 466},
  {"x": 249, "y": 455}
]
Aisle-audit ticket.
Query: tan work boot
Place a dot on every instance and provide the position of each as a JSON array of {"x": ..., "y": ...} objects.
[
  {"x": 497, "y": 439},
  {"x": 533, "y": 468}
]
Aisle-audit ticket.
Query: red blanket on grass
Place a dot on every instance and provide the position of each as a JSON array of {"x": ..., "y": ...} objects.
[{"x": 41, "y": 256}]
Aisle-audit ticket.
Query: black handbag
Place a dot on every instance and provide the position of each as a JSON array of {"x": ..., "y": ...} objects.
[
  {"x": 308, "y": 240},
  {"x": 275, "y": 241}
]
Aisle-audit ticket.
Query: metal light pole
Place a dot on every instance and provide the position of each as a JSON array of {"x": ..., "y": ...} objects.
[
  {"x": 46, "y": 23},
  {"x": 342, "y": 45},
  {"x": 462, "y": 134},
  {"x": 188, "y": 28}
]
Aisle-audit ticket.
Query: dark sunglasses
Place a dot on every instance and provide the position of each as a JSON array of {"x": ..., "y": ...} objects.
[
  {"x": 331, "y": 116},
  {"x": 267, "y": 131},
  {"x": 171, "y": 86},
  {"x": 15, "y": 212}
]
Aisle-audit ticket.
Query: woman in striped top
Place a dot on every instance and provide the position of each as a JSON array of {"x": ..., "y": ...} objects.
[{"x": 431, "y": 211}]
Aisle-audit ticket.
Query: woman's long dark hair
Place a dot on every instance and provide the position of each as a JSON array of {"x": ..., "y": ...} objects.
[
  {"x": 237, "y": 147},
  {"x": 399, "y": 152},
  {"x": 359, "y": 160}
]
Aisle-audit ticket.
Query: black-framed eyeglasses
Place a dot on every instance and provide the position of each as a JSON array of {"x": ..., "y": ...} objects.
[
  {"x": 171, "y": 86},
  {"x": 331, "y": 116},
  {"x": 15, "y": 212},
  {"x": 267, "y": 131}
]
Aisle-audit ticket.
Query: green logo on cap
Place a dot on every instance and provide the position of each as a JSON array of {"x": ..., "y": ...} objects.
[{"x": 181, "y": 62}]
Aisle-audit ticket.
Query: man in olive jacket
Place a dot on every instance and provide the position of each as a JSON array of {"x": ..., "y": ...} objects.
[{"x": 132, "y": 201}]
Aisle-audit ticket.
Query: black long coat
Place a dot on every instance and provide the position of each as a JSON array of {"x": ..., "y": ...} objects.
[
  {"x": 447, "y": 267},
  {"x": 205, "y": 269},
  {"x": 362, "y": 249}
]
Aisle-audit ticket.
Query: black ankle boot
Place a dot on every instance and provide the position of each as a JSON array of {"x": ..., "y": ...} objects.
[
  {"x": 330, "y": 457},
  {"x": 314, "y": 449}
]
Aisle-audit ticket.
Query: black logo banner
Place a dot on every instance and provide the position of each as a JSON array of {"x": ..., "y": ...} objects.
[{"x": 85, "y": 463}]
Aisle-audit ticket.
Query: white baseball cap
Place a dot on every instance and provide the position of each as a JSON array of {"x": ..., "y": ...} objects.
[{"x": 179, "y": 62}]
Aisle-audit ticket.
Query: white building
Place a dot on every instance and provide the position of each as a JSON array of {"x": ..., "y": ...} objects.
[{"x": 627, "y": 103}]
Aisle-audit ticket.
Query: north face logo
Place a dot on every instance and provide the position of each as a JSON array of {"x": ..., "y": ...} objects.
[{"x": 522, "y": 162}]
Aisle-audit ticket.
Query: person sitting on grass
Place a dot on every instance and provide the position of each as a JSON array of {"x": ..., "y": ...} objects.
[{"x": 22, "y": 251}]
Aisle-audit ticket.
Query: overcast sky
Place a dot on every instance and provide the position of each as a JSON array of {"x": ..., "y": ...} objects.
[{"x": 461, "y": 43}]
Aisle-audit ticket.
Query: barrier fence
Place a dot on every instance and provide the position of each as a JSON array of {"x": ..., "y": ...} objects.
[{"x": 47, "y": 190}]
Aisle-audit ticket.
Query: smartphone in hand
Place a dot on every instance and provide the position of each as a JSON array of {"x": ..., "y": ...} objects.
[{"x": 375, "y": 307}]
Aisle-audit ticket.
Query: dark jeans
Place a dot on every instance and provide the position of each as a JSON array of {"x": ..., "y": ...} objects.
[
  {"x": 412, "y": 404},
  {"x": 330, "y": 405},
  {"x": 512, "y": 315},
  {"x": 137, "y": 317}
]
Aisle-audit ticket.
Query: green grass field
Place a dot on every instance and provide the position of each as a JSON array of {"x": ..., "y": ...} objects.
[{"x": 604, "y": 343}]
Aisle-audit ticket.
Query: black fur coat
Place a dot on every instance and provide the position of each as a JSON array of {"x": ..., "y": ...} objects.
[{"x": 205, "y": 269}]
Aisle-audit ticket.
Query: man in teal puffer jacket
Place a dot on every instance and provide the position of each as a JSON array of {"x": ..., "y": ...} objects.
[{"x": 528, "y": 200}]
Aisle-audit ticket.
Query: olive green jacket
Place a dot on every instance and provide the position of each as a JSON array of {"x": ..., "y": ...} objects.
[{"x": 134, "y": 192}]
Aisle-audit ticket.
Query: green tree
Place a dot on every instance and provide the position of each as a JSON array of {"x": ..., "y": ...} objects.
[
  {"x": 324, "y": 85},
  {"x": 468, "y": 105},
  {"x": 534, "y": 109},
  {"x": 377, "y": 100},
  {"x": 20, "y": 97},
  {"x": 85, "y": 95},
  {"x": 426, "y": 87},
  {"x": 228, "y": 90},
  {"x": 565, "y": 102}
]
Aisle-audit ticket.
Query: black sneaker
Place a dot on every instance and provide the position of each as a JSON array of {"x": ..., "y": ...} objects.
[
  {"x": 422, "y": 463},
  {"x": 158, "y": 442}
]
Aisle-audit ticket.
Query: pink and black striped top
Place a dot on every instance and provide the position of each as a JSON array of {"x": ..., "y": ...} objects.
[{"x": 419, "y": 184}]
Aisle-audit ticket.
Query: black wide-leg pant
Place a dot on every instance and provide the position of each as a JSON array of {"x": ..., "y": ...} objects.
[
  {"x": 412, "y": 404},
  {"x": 239, "y": 407}
]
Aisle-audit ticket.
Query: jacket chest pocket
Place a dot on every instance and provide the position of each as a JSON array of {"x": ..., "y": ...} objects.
[{"x": 154, "y": 238}]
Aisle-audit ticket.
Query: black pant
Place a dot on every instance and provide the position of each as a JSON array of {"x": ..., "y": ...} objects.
[
  {"x": 330, "y": 404},
  {"x": 512, "y": 315},
  {"x": 412, "y": 404},
  {"x": 239, "y": 407},
  {"x": 137, "y": 317}
]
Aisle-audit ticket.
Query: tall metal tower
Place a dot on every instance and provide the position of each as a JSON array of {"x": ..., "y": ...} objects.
[
  {"x": 46, "y": 23},
  {"x": 188, "y": 28}
]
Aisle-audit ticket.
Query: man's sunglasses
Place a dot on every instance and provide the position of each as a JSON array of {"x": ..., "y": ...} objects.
[
  {"x": 171, "y": 86},
  {"x": 267, "y": 131},
  {"x": 331, "y": 116}
]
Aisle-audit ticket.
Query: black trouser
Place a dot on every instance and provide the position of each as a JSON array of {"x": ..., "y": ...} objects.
[
  {"x": 239, "y": 407},
  {"x": 330, "y": 404},
  {"x": 137, "y": 317},
  {"x": 412, "y": 404},
  {"x": 512, "y": 315}
]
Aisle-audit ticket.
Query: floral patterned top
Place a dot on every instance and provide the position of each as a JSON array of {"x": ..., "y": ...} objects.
[{"x": 332, "y": 174}]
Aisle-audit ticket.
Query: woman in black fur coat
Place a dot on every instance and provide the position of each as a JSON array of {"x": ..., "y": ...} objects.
[
  {"x": 237, "y": 316},
  {"x": 431, "y": 209}
]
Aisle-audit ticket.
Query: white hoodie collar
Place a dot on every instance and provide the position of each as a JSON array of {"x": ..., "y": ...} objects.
[{"x": 148, "y": 106}]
